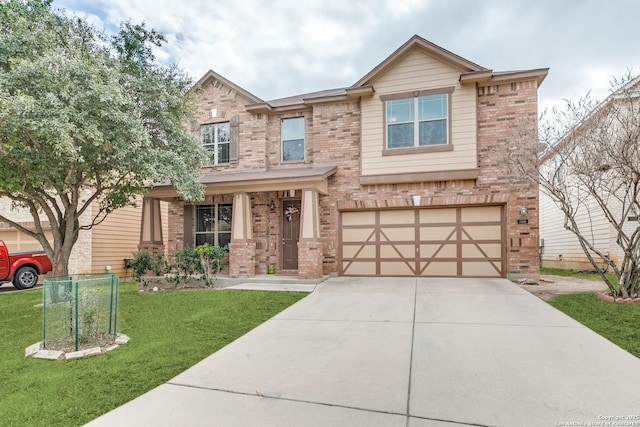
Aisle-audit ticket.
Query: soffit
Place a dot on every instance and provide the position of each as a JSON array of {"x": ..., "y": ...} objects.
[{"x": 274, "y": 179}]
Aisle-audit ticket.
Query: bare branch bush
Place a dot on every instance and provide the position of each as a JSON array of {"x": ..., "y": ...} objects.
[{"x": 589, "y": 166}]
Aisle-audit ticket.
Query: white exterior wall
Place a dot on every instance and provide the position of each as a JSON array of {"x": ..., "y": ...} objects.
[{"x": 561, "y": 247}]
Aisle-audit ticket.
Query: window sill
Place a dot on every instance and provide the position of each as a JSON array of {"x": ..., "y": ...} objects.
[{"x": 417, "y": 150}]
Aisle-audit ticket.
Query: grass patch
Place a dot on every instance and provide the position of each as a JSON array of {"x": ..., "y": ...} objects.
[
  {"x": 169, "y": 331},
  {"x": 616, "y": 322}
]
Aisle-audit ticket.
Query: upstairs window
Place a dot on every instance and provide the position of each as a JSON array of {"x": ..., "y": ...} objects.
[
  {"x": 417, "y": 121},
  {"x": 292, "y": 134},
  {"x": 216, "y": 138}
]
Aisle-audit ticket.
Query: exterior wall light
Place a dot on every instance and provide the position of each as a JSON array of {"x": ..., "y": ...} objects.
[{"x": 523, "y": 210}]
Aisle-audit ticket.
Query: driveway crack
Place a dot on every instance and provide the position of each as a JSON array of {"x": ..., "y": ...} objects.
[{"x": 413, "y": 332}]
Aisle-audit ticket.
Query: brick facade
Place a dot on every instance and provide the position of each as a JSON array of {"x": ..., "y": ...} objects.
[{"x": 333, "y": 136}]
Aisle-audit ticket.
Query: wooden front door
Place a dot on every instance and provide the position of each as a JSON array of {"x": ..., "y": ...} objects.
[{"x": 290, "y": 226}]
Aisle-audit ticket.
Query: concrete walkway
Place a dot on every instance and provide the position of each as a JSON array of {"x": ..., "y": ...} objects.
[{"x": 403, "y": 352}]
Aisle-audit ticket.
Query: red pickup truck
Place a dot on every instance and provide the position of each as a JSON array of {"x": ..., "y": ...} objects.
[{"x": 22, "y": 268}]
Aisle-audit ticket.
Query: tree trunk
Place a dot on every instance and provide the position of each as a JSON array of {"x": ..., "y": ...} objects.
[{"x": 60, "y": 264}]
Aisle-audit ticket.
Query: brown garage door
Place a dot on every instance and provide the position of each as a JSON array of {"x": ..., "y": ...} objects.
[{"x": 437, "y": 242}]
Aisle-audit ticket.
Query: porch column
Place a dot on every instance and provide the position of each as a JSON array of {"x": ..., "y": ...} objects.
[
  {"x": 151, "y": 226},
  {"x": 310, "y": 245},
  {"x": 242, "y": 249}
]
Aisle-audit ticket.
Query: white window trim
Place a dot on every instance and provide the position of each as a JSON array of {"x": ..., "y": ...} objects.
[{"x": 216, "y": 144}]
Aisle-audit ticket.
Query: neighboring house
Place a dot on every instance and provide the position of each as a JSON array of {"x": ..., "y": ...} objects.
[
  {"x": 559, "y": 247},
  {"x": 396, "y": 175},
  {"x": 107, "y": 244}
]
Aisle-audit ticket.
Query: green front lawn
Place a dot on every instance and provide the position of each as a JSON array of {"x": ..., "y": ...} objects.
[
  {"x": 616, "y": 322},
  {"x": 169, "y": 331}
]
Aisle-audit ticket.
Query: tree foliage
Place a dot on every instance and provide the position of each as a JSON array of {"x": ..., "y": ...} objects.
[
  {"x": 590, "y": 169},
  {"x": 87, "y": 119}
]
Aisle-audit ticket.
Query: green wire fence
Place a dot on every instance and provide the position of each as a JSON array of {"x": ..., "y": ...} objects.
[{"x": 80, "y": 311}]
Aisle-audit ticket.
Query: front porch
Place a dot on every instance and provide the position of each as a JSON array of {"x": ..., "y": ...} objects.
[{"x": 279, "y": 225}]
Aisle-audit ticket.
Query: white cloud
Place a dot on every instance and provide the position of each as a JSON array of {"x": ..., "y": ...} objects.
[{"x": 279, "y": 48}]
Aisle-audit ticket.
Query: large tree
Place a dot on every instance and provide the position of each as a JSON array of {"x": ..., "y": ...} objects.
[
  {"x": 87, "y": 119},
  {"x": 590, "y": 168}
]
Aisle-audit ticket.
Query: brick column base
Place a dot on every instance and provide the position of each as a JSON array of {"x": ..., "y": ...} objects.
[
  {"x": 242, "y": 259},
  {"x": 154, "y": 248},
  {"x": 310, "y": 259}
]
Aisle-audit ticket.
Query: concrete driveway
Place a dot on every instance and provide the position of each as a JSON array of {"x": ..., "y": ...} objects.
[{"x": 403, "y": 352}]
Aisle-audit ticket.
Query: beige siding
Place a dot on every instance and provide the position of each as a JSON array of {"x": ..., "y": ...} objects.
[
  {"x": 115, "y": 239},
  {"x": 418, "y": 71},
  {"x": 561, "y": 247}
]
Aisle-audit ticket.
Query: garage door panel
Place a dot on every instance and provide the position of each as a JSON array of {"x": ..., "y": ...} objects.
[
  {"x": 452, "y": 242},
  {"x": 491, "y": 250},
  {"x": 388, "y": 268},
  {"x": 481, "y": 214},
  {"x": 481, "y": 269},
  {"x": 394, "y": 234},
  {"x": 358, "y": 218},
  {"x": 361, "y": 251},
  {"x": 17, "y": 241},
  {"x": 367, "y": 268},
  {"x": 393, "y": 251},
  {"x": 441, "y": 251},
  {"x": 357, "y": 234},
  {"x": 439, "y": 269},
  {"x": 429, "y": 216},
  {"x": 397, "y": 217},
  {"x": 481, "y": 232},
  {"x": 437, "y": 233}
]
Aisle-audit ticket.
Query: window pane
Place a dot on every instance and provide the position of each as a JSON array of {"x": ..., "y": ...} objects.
[
  {"x": 293, "y": 150},
  {"x": 224, "y": 217},
  {"x": 212, "y": 228},
  {"x": 224, "y": 239},
  {"x": 204, "y": 218},
  {"x": 201, "y": 239},
  {"x": 433, "y": 132},
  {"x": 432, "y": 107},
  {"x": 400, "y": 110},
  {"x": 208, "y": 134},
  {"x": 293, "y": 128},
  {"x": 223, "y": 153},
  {"x": 211, "y": 150},
  {"x": 400, "y": 136},
  {"x": 223, "y": 132}
]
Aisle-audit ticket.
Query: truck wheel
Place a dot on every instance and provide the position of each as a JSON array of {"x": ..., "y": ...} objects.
[{"x": 25, "y": 278}]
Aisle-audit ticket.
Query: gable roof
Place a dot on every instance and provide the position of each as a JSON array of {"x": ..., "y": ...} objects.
[
  {"x": 417, "y": 42},
  {"x": 470, "y": 73},
  {"x": 211, "y": 75}
]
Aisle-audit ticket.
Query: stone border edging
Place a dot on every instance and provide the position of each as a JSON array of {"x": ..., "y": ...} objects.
[
  {"x": 609, "y": 298},
  {"x": 36, "y": 351}
]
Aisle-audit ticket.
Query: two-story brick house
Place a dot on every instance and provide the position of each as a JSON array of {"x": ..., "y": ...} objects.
[{"x": 396, "y": 175}]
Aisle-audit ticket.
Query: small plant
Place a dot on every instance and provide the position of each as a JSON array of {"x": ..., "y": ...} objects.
[
  {"x": 159, "y": 264},
  {"x": 211, "y": 260},
  {"x": 186, "y": 265},
  {"x": 141, "y": 263}
]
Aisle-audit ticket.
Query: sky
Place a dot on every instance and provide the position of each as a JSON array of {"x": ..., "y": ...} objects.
[{"x": 279, "y": 48}]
